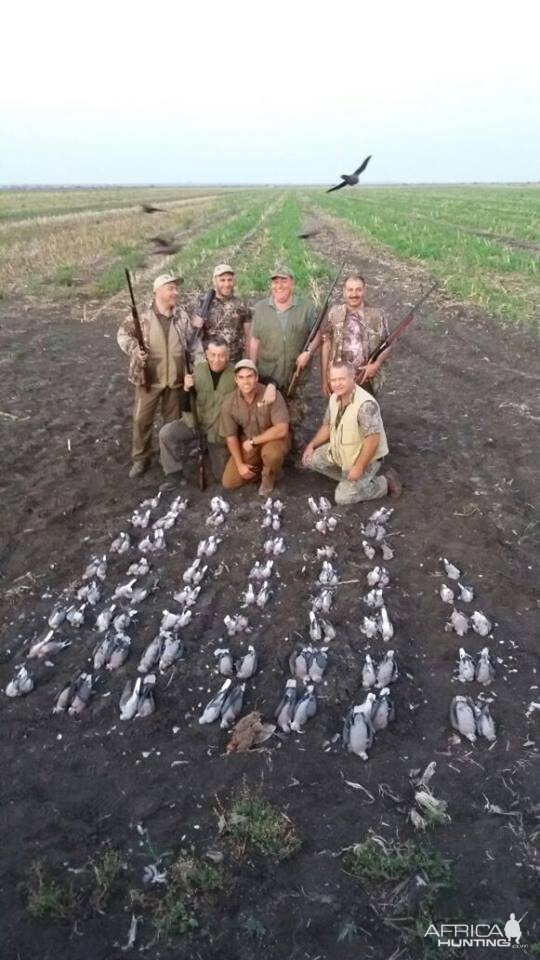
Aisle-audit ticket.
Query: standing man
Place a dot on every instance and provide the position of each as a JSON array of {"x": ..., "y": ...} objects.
[
  {"x": 212, "y": 380},
  {"x": 350, "y": 444},
  {"x": 257, "y": 432},
  {"x": 167, "y": 335},
  {"x": 228, "y": 317},
  {"x": 281, "y": 324},
  {"x": 351, "y": 332}
]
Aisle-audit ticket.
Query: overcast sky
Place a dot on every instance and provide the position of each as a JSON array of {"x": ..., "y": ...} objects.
[{"x": 274, "y": 92}]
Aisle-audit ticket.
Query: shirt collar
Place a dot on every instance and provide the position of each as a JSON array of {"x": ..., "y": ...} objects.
[{"x": 271, "y": 303}]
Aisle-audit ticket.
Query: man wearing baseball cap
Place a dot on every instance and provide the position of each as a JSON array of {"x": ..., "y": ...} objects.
[
  {"x": 229, "y": 317},
  {"x": 168, "y": 337},
  {"x": 256, "y": 432},
  {"x": 281, "y": 324}
]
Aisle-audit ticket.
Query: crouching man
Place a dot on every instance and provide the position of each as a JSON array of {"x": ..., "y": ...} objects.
[
  {"x": 350, "y": 444},
  {"x": 212, "y": 379},
  {"x": 257, "y": 433}
]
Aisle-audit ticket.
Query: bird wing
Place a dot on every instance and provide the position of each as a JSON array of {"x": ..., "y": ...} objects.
[
  {"x": 338, "y": 186},
  {"x": 362, "y": 167}
]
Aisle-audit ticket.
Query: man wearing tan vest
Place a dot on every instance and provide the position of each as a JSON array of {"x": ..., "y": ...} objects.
[
  {"x": 350, "y": 444},
  {"x": 168, "y": 336}
]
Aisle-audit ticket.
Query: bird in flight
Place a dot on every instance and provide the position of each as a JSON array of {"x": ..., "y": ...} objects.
[
  {"x": 148, "y": 208},
  {"x": 350, "y": 179}
]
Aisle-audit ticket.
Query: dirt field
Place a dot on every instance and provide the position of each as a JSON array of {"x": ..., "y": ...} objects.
[{"x": 462, "y": 411}]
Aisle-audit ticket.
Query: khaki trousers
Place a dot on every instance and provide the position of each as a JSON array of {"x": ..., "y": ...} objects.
[
  {"x": 368, "y": 487},
  {"x": 266, "y": 460},
  {"x": 144, "y": 412},
  {"x": 174, "y": 438}
]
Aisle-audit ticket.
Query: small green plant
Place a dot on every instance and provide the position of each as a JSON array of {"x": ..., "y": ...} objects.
[
  {"x": 65, "y": 275},
  {"x": 347, "y": 931},
  {"x": 172, "y": 917},
  {"x": 380, "y": 860},
  {"x": 195, "y": 876},
  {"x": 253, "y": 822},
  {"x": 107, "y": 868},
  {"x": 113, "y": 278},
  {"x": 252, "y": 927},
  {"x": 48, "y": 899}
]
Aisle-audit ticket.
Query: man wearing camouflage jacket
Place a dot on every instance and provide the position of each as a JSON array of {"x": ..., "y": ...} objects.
[
  {"x": 351, "y": 332},
  {"x": 168, "y": 338},
  {"x": 229, "y": 317}
]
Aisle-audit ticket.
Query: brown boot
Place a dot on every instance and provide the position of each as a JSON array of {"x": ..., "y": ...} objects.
[{"x": 395, "y": 487}]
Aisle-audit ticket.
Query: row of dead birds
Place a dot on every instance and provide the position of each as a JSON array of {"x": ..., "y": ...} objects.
[
  {"x": 379, "y": 622},
  {"x": 469, "y": 718}
]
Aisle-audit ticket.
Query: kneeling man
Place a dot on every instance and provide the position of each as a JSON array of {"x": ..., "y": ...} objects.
[
  {"x": 212, "y": 379},
  {"x": 257, "y": 433},
  {"x": 350, "y": 444}
]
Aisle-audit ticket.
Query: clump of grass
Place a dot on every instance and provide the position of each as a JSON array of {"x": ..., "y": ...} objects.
[
  {"x": 47, "y": 898},
  {"x": 172, "y": 917},
  {"x": 195, "y": 876},
  {"x": 107, "y": 868},
  {"x": 347, "y": 931},
  {"x": 65, "y": 275},
  {"x": 254, "y": 823},
  {"x": 113, "y": 278},
  {"x": 252, "y": 928},
  {"x": 380, "y": 860}
]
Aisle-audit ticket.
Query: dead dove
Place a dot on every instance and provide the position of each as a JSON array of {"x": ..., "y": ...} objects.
[
  {"x": 129, "y": 699},
  {"x": 173, "y": 649},
  {"x": 485, "y": 668},
  {"x": 96, "y": 568},
  {"x": 378, "y": 577},
  {"x": 235, "y": 624},
  {"x": 187, "y": 596},
  {"x": 465, "y": 666},
  {"x": 57, "y": 616},
  {"x": 152, "y": 503},
  {"x": 305, "y": 709},
  {"x": 318, "y": 664},
  {"x": 225, "y": 662},
  {"x": 121, "y": 544},
  {"x": 90, "y": 593},
  {"x": 232, "y": 706},
  {"x": 118, "y": 652},
  {"x": 139, "y": 569},
  {"x": 370, "y": 627},
  {"x": 152, "y": 543},
  {"x": 123, "y": 620},
  {"x": 124, "y": 591},
  {"x": 103, "y": 620},
  {"x": 140, "y": 518},
  {"x": 81, "y": 695},
  {"x": 151, "y": 654},
  {"x": 285, "y": 711},
  {"x": 328, "y": 576},
  {"x": 374, "y": 598},
  {"x": 328, "y": 630},
  {"x": 387, "y": 670},
  {"x": 146, "y": 703},
  {"x": 249, "y": 732},
  {"x": 76, "y": 616},
  {"x": 382, "y": 515},
  {"x": 458, "y": 622},
  {"x": 103, "y": 650},
  {"x": 47, "y": 647},
  {"x": 324, "y": 505},
  {"x": 485, "y": 724},
  {"x": 323, "y": 602},
  {"x": 462, "y": 717},
  {"x": 368, "y": 549},
  {"x": 385, "y": 625},
  {"x": 466, "y": 593},
  {"x": 315, "y": 629},
  {"x": 446, "y": 594},
  {"x": 21, "y": 684},
  {"x": 249, "y": 597},
  {"x": 382, "y": 711},
  {"x": 451, "y": 570},
  {"x": 300, "y": 662},
  {"x": 357, "y": 732},
  {"x": 368, "y": 673},
  {"x": 263, "y": 595},
  {"x": 169, "y": 621},
  {"x": 313, "y": 505},
  {"x": 387, "y": 552},
  {"x": 325, "y": 553},
  {"x": 246, "y": 666},
  {"x": 213, "y": 708},
  {"x": 480, "y": 624}
]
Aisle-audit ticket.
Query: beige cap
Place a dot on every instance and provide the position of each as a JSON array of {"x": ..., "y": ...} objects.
[
  {"x": 245, "y": 363},
  {"x": 221, "y": 269},
  {"x": 282, "y": 271},
  {"x": 165, "y": 278}
]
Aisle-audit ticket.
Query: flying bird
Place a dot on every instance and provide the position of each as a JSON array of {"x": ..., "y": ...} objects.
[
  {"x": 165, "y": 246},
  {"x": 350, "y": 179},
  {"x": 148, "y": 208}
]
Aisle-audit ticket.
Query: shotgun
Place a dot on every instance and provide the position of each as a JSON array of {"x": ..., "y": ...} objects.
[
  {"x": 138, "y": 329},
  {"x": 315, "y": 329},
  {"x": 401, "y": 327}
]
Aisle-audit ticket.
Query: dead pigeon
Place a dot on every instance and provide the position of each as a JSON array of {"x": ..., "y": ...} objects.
[
  {"x": 462, "y": 717},
  {"x": 285, "y": 711},
  {"x": 465, "y": 667},
  {"x": 480, "y": 624},
  {"x": 21, "y": 684},
  {"x": 213, "y": 708},
  {"x": 451, "y": 570},
  {"x": 485, "y": 724},
  {"x": 387, "y": 670},
  {"x": 357, "y": 734},
  {"x": 305, "y": 708},
  {"x": 485, "y": 668},
  {"x": 246, "y": 666}
]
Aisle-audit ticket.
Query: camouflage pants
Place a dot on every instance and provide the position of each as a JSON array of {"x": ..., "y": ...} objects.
[{"x": 368, "y": 487}]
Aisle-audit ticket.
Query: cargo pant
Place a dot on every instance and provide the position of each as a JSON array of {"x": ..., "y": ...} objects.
[
  {"x": 144, "y": 412},
  {"x": 265, "y": 459},
  {"x": 368, "y": 487},
  {"x": 173, "y": 440}
]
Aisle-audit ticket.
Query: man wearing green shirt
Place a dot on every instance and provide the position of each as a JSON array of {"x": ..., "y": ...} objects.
[{"x": 281, "y": 324}]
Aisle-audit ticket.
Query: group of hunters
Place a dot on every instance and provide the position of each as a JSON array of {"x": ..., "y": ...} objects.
[{"x": 222, "y": 370}]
